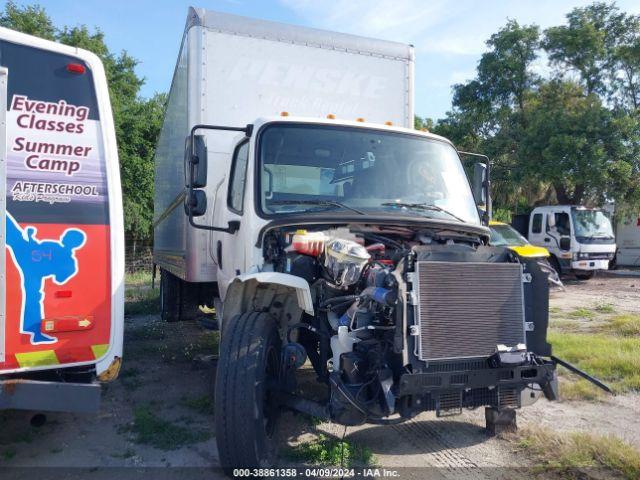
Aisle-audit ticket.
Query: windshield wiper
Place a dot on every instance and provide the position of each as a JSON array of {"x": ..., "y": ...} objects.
[
  {"x": 328, "y": 203},
  {"x": 424, "y": 207}
]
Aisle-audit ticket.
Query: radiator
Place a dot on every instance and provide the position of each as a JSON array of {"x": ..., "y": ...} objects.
[{"x": 465, "y": 309}]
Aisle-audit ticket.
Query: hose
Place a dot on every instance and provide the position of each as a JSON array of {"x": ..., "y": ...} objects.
[{"x": 306, "y": 326}]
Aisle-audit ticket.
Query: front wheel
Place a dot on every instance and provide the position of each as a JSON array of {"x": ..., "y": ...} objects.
[
  {"x": 246, "y": 412},
  {"x": 586, "y": 275}
]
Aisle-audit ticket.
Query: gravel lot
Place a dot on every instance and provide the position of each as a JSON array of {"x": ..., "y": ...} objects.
[{"x": 158, "y": 414}]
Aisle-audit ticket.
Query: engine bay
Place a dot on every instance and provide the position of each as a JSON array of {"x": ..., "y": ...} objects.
[{"x": 364, "y": 340}]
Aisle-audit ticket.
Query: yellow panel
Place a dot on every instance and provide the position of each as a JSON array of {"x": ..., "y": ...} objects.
[
  {"x": 530, "y": 251},
  {"x": 99, "y": 350},
  {"x": 37, "y": 359}
]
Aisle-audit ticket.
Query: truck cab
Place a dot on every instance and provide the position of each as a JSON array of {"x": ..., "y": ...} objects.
[
  {"x": 580, "y": 239},
  {"x": 350, "y": 269}
]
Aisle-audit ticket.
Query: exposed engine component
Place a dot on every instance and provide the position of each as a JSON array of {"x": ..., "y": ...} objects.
[{"x": 344, "y": 261}]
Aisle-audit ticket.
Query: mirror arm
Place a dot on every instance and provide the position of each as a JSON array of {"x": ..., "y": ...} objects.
[
  {"x": 488, "y": 213},
  {"x": 234, "y": 225}
]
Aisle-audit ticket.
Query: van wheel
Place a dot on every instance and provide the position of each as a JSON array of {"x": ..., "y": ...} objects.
[
  {"x": 584, "y": 275},
  {"x": 169, "y": 297},
  {"x": 246, "y": 411}
]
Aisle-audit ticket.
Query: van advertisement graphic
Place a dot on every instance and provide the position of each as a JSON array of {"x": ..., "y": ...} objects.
[
  {"x": 58, "y": 242},
  {"x": 53, "y": 155}
]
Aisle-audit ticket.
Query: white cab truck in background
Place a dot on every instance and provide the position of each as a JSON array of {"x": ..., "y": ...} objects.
[
  {"x": 294, "y": 195},
  {"x": 579, "y": 239}
]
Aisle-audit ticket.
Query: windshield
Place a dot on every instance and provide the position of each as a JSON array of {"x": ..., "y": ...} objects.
[
  {"x": 505, "y": 236},
  {"x": 591, "y": 224},
  {"x": 307, "y": 168}
]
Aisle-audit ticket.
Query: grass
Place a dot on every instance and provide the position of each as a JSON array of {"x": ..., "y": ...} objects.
[
  {"x": 576, "y": 388},
  {"x": 627, "y": 325},
  {"x": 150, "y": 429},
  {"x": 202, "y": 404},
  {"x": 138, "y": 279},
  {"x": 612, "y": 358},
  {"x": 140, "y": 298},
  {"x": 604, "y": 308},
  {"x": 8, "y": 454},
  {"x": 207, "y": 343},
  {"x": 141, "y": 301},
  {"x": 570, "y": 454},
  {"x": 581, "y": 312},
  {"x": 330, "y": 451},
  {"x": 148, "y": 331}
]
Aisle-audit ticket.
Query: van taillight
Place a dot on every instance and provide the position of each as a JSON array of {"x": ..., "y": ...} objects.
[{"x": 75, "y": 68}]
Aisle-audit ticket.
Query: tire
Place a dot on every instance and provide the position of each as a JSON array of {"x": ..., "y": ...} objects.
[
  {"x": 584, "y": 275},
  {"x": 169, "y": 297},
  {"x": 555, "y": 264},
  {"x": 245, "y": 414}
]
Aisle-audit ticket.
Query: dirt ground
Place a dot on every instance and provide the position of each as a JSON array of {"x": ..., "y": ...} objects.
[{"x": 159, "y": 412}]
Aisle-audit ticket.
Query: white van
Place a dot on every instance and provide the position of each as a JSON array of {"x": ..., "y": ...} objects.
[
  {"x": 580, "y": 239},
  {"x": 61, "y": 228}
]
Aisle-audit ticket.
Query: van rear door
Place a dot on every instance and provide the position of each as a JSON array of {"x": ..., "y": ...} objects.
[
  {"x": 57, "y": 185},
  {"x": 3, "y": 196}
]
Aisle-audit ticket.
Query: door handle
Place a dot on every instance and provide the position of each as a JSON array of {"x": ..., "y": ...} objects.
[{"x": 547, "y": 239}]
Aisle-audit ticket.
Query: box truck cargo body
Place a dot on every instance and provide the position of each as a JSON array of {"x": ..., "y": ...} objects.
[
  {"x": 293, "y": 194},
  {"x": 628, "y": 241},
  {"x": 61, "y": 234},
  {"x": 231, "y": 71}
]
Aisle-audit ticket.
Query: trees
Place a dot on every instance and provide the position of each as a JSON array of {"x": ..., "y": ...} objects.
[
  {"x": 137, "y": 120},
  {"x": 572, "y": 135}
]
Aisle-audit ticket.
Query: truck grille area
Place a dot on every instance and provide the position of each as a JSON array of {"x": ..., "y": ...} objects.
[{"x": 465, "y": 309}]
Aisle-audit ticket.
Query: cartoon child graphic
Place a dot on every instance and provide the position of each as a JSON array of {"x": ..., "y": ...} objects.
[{"x": 36, "y": 261}]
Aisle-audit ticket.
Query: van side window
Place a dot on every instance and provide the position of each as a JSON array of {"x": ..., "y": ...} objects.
[
  {"x": 238, "y": 179},
  {"x": 537, "y": 223}
]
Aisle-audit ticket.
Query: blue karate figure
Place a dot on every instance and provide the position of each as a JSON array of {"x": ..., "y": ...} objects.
[{"x": 38, "y": 260}]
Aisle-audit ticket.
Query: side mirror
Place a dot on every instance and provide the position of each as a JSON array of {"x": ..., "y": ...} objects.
[
  {"x": 565, "y": 243},
  {"x": 479, "y": 180},
  {"x": 195, "y": 204},
  {"x": 196, "y": 155},
  {"x": 551, "y": 220}
]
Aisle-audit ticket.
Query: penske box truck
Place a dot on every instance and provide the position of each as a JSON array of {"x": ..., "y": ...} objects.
[
  {"x": 61, "y": 234},
  {"x": 350, "y": 269}
]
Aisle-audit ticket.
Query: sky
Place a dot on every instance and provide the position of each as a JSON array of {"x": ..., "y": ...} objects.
[{"x": 449, "y": 35}]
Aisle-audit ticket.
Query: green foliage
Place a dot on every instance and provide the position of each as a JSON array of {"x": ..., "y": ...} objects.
[
  {"x": 572, "y": 137},
  {"x": 329, "y": 451},
  {"x": 32, "y": 19},
  {"x": 611, "y": 358},
  {"x": 420, "y": 123},
  {"x": 153, "y": 430},
  {"x": 502, "y": 215},
  {"x": 137, "y": 120},
  {"x": 570, "y": 455}
]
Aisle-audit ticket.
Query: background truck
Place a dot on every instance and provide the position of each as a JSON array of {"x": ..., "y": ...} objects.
[
  {"x": 350, "y": 270},
  {"x": 628, "y": 241},
  {"x": 580, "y": 239},
  {"x": 61, "y": 233}
]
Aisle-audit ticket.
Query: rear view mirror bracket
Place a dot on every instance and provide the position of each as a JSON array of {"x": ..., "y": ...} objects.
[{"x": 195, "y": 200}]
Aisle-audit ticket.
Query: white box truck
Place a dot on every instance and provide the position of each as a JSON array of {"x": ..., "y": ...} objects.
[
  {"x": 628, "y": 241},
  {"x": 579, "y": 239},
  {"x": 293, "y": 194},
  {"x": 61, "y": 228}
]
